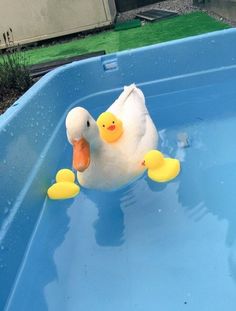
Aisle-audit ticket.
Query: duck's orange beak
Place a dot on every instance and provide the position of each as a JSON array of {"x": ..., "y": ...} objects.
[
  {"x": 81, "y": 155},
  {"x": 111, "y": 127}
]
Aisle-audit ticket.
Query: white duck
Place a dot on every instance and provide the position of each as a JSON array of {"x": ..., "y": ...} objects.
[{"x": 108, "y": 166}]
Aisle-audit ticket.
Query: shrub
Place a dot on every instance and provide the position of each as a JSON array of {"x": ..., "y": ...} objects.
[{"x": 14, "y": 74}]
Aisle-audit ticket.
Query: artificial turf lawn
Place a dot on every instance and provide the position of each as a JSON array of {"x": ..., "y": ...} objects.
[{"x": 112, "y": 41}]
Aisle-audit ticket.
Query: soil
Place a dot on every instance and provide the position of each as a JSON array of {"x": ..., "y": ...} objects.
[{"x": 7, "y": 101}]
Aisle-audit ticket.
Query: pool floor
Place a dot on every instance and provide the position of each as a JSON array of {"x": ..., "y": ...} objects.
[{"x": 148, "y": 246}]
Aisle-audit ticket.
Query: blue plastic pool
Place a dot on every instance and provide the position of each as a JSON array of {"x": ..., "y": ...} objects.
[{"x": 148, "y": 246}]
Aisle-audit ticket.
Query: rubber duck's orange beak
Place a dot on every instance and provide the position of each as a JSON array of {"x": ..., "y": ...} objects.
[
  {"x": 143, "y": 163},
  {"x": 81, "y": 155},
  {"x": 111, "y": 127}
]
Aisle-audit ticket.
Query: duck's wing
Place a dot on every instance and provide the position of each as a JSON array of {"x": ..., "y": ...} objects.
[
  {"x": 117, "y": 108},
  {"x": 130, "y": 108},
  {"x": 138, "y": 126}
]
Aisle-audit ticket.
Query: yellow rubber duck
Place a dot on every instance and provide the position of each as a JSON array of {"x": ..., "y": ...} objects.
[
  {"x": 161, "y": 169},
  {"x": 110, "y": 127},
  {"x": 65, "y": 187}
]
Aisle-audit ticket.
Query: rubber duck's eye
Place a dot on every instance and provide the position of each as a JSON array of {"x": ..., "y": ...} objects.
[
  {"x": 88, "y": 124},
  {"x": 113, "y": 122},
  {"x": 103, "y": 125}
]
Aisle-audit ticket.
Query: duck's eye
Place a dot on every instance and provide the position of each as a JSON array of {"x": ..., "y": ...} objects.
[
  {"x": 103, "y": 125},
  {"x": 88, "y": 124},
  {"x": 113, "y": 122}
]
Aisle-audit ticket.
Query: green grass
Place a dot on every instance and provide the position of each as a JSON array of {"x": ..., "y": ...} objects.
[{"x": 112, "y": 41}]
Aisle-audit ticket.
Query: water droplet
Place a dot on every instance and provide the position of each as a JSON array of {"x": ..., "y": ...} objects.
[
  {"x": 159, "y": 210},
  {"x": 44, "y": 127},
  {"x": 36, "y": 141},
  {"x": 9, "y": 202},
  {"x": 4, "y": 130},
  {"x": 4, "y": 161},
  {"x": 11, "y": 134},
  {"x": 36, "y": 134},
  {"x": 2, "y": 247}
]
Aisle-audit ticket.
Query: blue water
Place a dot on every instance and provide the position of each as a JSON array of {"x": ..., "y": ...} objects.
[{"x": 149, "y": 246}]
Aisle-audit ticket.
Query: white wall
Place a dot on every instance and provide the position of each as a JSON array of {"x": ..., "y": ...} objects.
[{"x": 33, "y": 20}]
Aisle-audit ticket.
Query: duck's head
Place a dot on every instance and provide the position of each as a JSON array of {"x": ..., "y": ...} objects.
[
  {"x": 82, "y": 133},
  {"x": 110, "y": 127},
  {"x": 153, "y": 159}
]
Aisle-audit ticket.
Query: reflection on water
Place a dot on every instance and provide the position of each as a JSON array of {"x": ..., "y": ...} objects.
[
  {"x": 109, "y": 225},
  {"x": 208, "y": 181}
]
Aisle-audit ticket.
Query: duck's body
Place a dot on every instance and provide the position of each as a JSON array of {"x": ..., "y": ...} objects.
[
  {"x": 114, "y": 164},
  {"x": 112, "y": 171}
]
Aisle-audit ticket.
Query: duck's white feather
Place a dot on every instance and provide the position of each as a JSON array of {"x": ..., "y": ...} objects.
[{"x": 115, "y": 164}]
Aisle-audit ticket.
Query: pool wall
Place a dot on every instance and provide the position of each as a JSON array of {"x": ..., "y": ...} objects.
[{"x": 32, "y": 132}]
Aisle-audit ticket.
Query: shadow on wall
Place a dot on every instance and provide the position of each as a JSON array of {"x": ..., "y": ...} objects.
[
  {"x": 126, "y": 5},
  {"x": 224, "y": 8}
]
